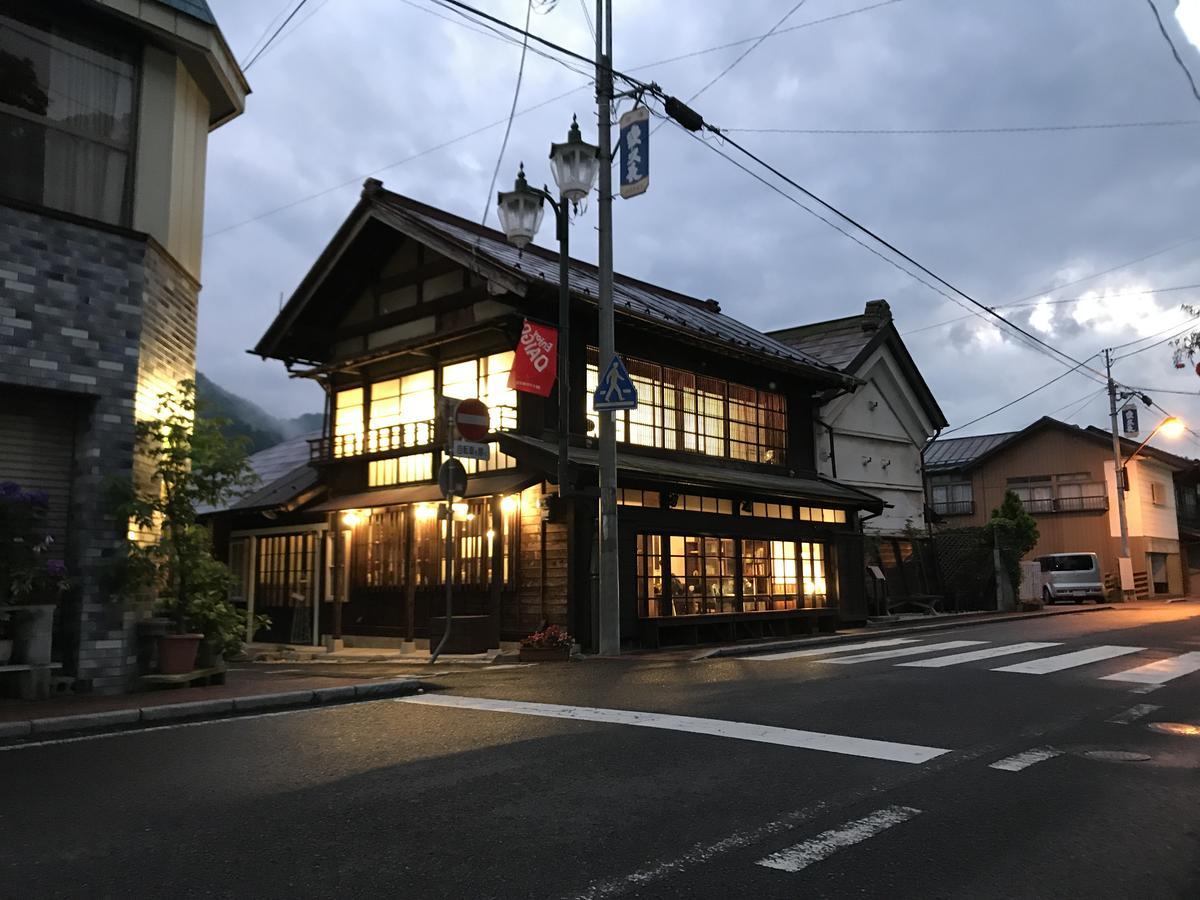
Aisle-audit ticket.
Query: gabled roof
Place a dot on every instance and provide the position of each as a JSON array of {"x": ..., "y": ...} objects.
[
  {"x": 959, "y": 454},
  {"x": 489, "y": 254},
  {"x": 283, "y": 475},
  {"x": 847, "y": 344}
]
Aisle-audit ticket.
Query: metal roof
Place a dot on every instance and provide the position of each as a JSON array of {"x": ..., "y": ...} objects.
[
  {"x": 837, "y": 343},
  {"x": 634, "y": 298},
  {"x": 197, "y": 9},
  {"x": 283, "y": 472},
  {"x": 712, "y": 475},
  {"x": 954, "y": 453}
]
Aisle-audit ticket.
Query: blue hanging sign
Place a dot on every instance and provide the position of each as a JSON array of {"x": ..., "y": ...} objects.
[
  {"x": 635, "y": 152},
  {"x": 615, "y": 390}
]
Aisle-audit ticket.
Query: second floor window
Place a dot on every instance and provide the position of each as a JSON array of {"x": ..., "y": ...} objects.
[
  {"x": 66, "y": 121},
  {"x": 952, "y": 498},
  {"x": 1037, "y": 494},
  {"x": 680, "y": 410},
  {"x": 403, "y": 411}
]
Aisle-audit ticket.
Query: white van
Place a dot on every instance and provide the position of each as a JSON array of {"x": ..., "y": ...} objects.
[{"x": 1071, "y": 576}]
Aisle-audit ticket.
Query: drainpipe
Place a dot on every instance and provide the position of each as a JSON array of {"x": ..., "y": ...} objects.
[
  {"x": 924, "y": 483},
  {"x": 832, "y": 450}
]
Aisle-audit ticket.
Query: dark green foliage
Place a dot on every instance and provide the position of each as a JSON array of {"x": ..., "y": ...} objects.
[{"x": 1016, "y": 533}]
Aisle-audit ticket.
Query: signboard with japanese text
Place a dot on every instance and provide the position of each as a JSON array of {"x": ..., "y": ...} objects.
[
  {"x": 535, "y": 362},
  {"x": 635, "y": 152},
  {"x": 1129, "y": 420}
]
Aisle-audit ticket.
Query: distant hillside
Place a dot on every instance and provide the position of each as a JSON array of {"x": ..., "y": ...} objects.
[{"x": 249, "y": 420}]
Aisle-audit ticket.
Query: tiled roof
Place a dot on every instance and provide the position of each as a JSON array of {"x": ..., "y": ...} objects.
[
  {"x": 837, "y": 343},
  {"x": 634, "y": 298},
  {"x": 197, "y": 9},
  {"x": 953, "y": 453}
]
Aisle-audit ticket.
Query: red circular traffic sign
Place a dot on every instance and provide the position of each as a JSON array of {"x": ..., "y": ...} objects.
[{"x": 471, "y": 419}]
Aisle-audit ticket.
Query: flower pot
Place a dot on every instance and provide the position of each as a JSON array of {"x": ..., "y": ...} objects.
[
  {"x": 177, "y": 653},
  {"x": 32, "y": 630},
  {"x": 546, "y": 654},
  {"x": 6, "y": 651}
]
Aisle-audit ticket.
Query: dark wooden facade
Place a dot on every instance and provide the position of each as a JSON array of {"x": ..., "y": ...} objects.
[{"x": 407, "y": 290}]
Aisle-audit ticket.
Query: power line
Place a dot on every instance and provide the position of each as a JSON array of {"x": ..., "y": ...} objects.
[
  {"x": 1024, "y": 396},
  {"x": 1174, "y": 50},
  {"x": 487, "y": 203},
  {"x": 275, "y": 34},
  {"x": 1027, "y": 303},
  {"x": 1078, "y": 403},
  {"x": 1005, "y": 129},
  {"x": 258, "y": 40},
  {"x": 1190, "y": 326},
  {"x": 587, "y": 17},
  {"x": 748, "y": 50}
]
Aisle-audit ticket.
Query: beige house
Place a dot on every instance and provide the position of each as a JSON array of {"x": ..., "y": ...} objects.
[{"x": 1064, "y": 476}]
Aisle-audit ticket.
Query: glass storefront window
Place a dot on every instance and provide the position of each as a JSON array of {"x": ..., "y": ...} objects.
[
  {"x": 649, "y": 575},
  {"x": 812, "y": 571},
  {"x": 702, "y": 575}
]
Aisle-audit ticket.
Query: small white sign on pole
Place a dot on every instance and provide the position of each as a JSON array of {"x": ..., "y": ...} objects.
[{"x": 471, "y": 450}]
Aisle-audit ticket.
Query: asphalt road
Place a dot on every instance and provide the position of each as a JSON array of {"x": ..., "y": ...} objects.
[{"x": 723, "y": 778}]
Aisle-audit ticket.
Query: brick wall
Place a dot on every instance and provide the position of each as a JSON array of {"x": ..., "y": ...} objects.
[{"x": 107, "y": 316}]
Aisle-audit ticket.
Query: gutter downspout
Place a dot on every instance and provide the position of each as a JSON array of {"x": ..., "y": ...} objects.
[
  {"x": 925, "y": 481},
  {"x": 833, "y": 451}
]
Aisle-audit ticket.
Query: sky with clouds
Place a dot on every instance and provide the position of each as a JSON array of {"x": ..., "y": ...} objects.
[{"x": 372, "y": 87}]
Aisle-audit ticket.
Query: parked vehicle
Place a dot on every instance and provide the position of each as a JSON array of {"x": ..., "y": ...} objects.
[{"x": 1071, "y": 576}]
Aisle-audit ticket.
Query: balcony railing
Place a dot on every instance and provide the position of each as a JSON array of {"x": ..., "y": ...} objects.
[
  {"x": 1040, "y": 505},
  {"x": 1081, "y": 504},
  {"x": 392, "y": 438},
  {"x": 954, "y": 507}
]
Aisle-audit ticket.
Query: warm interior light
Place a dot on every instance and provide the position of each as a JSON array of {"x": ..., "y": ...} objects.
[
  {"x": 426, "y": 512},
  {"x": 461, "y": 511},
  {"x": 1171, "y": 427},
  {"x": 490, "y": 535},
  {"x": 352, "y": 518},
  {"x": 510, "y": 503}
]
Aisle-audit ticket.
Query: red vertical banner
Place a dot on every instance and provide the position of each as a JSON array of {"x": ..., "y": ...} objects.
[{"x": 535, "y": 363}]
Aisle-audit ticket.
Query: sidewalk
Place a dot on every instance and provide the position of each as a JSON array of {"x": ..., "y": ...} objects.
[{"x": 245, "y": 689}]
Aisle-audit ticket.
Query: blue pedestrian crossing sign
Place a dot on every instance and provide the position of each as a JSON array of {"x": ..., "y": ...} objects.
[{"x": 615, "y": 390}]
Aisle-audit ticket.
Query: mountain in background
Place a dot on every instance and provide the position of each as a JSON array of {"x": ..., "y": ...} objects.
[{"x": 249, "y": 420}]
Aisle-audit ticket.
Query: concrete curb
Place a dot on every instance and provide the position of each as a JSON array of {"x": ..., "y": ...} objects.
[
  {"x": 116, "y": 719},
  {"x": 828, "y": 640}
]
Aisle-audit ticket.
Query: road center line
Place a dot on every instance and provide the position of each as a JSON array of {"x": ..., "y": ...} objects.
[
  {"x": 824, "y": 845},
  {"x": 742, "y": 731},
  {"x": 955, "y": 659},
  {"x": 1132, "y": 714},
  {"x": 903, "y": 651},
  {"x": 1026, "y": 759},
  {"x": 822, "y": 651}
]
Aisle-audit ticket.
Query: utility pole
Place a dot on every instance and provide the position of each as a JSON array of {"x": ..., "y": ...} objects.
[
  {"x": 608, "y": 600},
  {"x": 1119, "y": 473}
]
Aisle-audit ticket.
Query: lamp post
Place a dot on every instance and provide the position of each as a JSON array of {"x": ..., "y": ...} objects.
[{"x": 575, "y": 164}]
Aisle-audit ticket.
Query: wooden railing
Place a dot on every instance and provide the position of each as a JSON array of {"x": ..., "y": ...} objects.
[{"x": 392, "y": 438}]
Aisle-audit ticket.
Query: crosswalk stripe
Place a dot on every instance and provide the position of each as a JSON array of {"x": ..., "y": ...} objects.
[
  {"x": 903, "y": 651},
  {"x": 1160, "y": 671},
  {"x": 1026, "y": 759},
  {"x": 744, "y": 731},
  {"x": 955, "y": 659},
  {"x": 822, "y": 651},
  {"x": 1069, "y": 660},
  {"x": 827, "y": 843}
]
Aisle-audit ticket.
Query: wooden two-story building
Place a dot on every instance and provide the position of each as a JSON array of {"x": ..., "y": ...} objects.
[{"x": 726, "y": 528}]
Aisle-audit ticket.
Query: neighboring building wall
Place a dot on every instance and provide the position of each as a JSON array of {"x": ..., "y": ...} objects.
[
  {"x": 879, "y": 431},
  {"x": 105, "y": 315},
  {"x": 543, "y": 572}
]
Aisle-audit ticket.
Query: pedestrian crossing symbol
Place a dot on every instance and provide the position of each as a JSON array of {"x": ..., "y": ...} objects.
[{"x": 615, "y": 390}]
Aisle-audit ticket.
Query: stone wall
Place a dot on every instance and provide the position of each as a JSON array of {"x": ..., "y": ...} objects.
[{"x": 106, "y": 315}]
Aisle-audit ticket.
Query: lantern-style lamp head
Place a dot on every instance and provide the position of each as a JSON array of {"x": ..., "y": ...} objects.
[
  {"x": 520, "y": 211},
  {"x": 575, "y": 164}
]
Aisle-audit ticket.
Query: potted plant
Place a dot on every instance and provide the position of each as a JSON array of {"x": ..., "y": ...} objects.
[
  {"x": 31, "y": 579},
  {"x": 193, "y": 464},
  {"x": 549, "y": 644}
]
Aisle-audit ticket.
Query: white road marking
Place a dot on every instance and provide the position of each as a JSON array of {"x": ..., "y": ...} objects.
[
  {"x": 698, "y": 854},
  {"x": 742, "y": 731},
  {"x": 1144, "y": 688},
  {"x": 903, "y": 651},
  {"x": 1132, "y": 714},
  {"x": 1160, "y": 671},
  {"x": 824, "y": 845},
  {"x": 1026, "y": 759},
  {"x": 821, "y": 651},
  {"x": 955, "y": 659},
  {"x": 1069, "y": 660}
]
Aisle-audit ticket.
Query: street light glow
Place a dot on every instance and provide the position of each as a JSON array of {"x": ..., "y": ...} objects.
[
  {"x": 352, "y": 518},
  {"x": 1171, "y": 427}
]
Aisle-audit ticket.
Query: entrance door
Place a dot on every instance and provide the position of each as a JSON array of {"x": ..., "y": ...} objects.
[{"x": 1158, "y": 572}]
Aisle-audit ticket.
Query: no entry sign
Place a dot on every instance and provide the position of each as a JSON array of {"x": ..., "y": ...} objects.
[{"x": 471, "y": 419}]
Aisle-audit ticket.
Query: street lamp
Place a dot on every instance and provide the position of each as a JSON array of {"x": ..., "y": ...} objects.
[{"x": 575, "y": 164}]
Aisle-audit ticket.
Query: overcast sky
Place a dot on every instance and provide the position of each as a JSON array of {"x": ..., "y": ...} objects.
[{"x": 359, "y": 87}]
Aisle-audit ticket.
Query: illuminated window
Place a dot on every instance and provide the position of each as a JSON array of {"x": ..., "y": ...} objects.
[
  {"x": 820, "y": 514},
  {"x": 812, "y": 574},
  {"x": 627, "y": 497},
  {"x": 348, "y": 423},
  {"x": 771, "y": 510},
  {"x": 402, "y": 412},
  {"x": 702, "y": 575},
  {"x": 495, "y": 461},
  {"x": 680, "y": 410},
  {"x": 649, "y": 575},
  {"x": 769, "y": 579},
  {"x": 400, "y": 470},
  {"x": 487, "y": 379}
]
